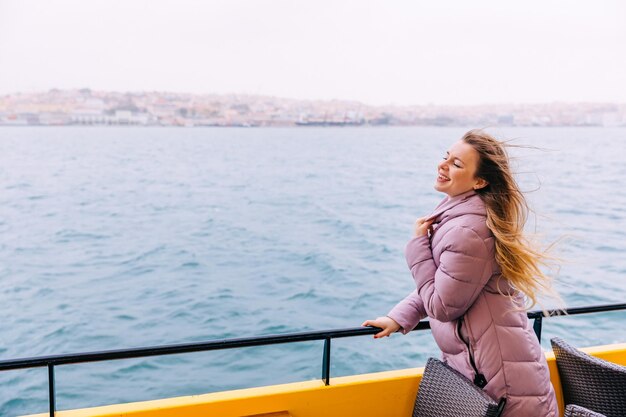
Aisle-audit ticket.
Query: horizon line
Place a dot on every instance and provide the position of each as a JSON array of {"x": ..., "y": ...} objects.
[{"x": 432, "y": 104}]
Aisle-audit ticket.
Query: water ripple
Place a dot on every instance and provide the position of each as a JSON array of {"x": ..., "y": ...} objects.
[{"x": 159, "y": 236}]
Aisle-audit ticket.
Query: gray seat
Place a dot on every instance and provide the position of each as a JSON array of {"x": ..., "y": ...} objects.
[
  {"x": 576, "y": 411},
  {"x": 590, "y": 382},
  {"x": 444, "y": 392}
]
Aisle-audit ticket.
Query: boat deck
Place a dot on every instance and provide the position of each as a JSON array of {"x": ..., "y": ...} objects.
[{"x": 389, "y": 393}]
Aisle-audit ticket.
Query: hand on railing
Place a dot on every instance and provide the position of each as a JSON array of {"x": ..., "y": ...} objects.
[{"x": 388, "y": 325}]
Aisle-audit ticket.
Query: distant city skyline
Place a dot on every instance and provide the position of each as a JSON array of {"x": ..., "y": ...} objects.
[
  {"x": 293, "y": 98},
  {"x": 394, "y": 53},
  {"x": 106, "y": 108}
]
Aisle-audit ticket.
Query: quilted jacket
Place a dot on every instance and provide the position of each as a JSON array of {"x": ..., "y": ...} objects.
[{"x": 483, "y": 334}]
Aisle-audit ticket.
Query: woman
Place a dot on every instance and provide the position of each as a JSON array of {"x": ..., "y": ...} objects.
[{"x": 473, "y": 269}]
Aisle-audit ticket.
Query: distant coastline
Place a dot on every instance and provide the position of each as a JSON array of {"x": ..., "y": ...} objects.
[{"x": 86, "y": 107}]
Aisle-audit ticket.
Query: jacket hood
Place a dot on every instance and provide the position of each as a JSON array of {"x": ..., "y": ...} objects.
[{"x": 468, "y": 202}]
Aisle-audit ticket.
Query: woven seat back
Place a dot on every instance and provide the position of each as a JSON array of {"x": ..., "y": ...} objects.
[
  {"x": 576, "y": 411},
  {"x": 444, "y": 392},
  {"x": 590, "y": 382}
]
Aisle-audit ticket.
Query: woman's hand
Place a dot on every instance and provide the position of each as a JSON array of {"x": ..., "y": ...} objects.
[
  {"x": 388, "y": 325},
  {"x": 423, "y": 226}
]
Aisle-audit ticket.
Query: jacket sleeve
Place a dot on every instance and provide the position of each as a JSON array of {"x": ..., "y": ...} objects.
[
  {"x": 465, "y": 266},
  {"x": 408, "y": 312}
]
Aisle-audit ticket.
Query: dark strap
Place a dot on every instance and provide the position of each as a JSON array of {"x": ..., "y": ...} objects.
[{"x": 501, "y": 405}]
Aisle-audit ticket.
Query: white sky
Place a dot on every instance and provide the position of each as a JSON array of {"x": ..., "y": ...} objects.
[{"x": 378, "y": 52}]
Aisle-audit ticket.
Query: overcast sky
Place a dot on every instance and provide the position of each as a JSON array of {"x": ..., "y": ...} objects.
[{"x": 377, "y": 52}]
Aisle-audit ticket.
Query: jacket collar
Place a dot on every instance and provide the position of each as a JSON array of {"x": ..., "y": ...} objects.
[{"x": 468, "y": 202}]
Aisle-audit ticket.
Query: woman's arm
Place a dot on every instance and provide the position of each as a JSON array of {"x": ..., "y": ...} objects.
[
  {"x": 465, "y": 266},
  {"x": 408, "y": 312}
]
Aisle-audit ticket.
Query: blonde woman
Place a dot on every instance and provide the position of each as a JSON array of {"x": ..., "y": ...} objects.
[{"x": 474, "y": 270}]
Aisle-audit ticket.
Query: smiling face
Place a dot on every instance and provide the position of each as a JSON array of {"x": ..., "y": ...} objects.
[{"x": 457, "y": 170}]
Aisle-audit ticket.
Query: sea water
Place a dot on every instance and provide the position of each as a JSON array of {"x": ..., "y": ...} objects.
[{"x": 125, "y": 237}]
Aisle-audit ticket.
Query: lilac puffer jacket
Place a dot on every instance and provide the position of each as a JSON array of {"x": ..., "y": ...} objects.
[{"x": 477, "y": 328}]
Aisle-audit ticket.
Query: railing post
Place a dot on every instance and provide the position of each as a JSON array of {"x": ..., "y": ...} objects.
[
  {"x": 51, "y": 389},
  {"x": 326, "y": 362},
  {"x": 537, "y": 327}
]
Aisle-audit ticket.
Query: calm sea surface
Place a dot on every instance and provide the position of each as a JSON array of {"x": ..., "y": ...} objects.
[{"x": 125, "y": 237}]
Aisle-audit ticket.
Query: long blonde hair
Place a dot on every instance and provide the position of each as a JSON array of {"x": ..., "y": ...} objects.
[{"x": 507, "y": 212}]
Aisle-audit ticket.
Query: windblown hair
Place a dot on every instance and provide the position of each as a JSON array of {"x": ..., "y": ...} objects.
[{"x": 507, "y": 212}]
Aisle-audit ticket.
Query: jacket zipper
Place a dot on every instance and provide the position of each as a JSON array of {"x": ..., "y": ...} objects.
[{"x": 479, "y": 379}]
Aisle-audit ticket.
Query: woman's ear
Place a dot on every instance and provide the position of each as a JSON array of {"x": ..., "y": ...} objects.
[{"x": 480, "y": 183}]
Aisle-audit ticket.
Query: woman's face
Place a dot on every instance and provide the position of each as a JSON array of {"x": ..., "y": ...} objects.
[{"x": 457, "y": 169}]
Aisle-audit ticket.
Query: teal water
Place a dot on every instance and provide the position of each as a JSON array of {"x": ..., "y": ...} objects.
[{"x": 124, "y": 237}]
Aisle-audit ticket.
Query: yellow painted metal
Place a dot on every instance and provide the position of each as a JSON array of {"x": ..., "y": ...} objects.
[{"x": 390, "y": 393}]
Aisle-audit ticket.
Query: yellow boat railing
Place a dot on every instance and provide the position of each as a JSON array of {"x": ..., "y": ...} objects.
[{"x": 327, "y": 335}]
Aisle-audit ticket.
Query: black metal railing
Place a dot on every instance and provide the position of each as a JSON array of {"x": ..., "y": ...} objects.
[{"x": 326, "y": 335}]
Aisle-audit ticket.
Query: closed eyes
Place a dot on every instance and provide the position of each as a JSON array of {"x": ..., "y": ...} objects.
[{"x": 455, "y": 164}]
